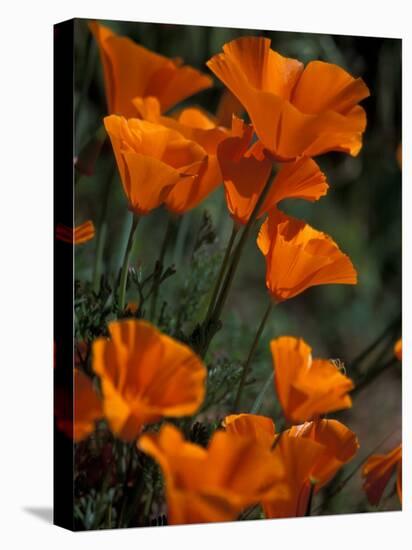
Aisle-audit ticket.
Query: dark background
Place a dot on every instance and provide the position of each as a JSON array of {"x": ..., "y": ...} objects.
[{"x": 362, "y": 212}]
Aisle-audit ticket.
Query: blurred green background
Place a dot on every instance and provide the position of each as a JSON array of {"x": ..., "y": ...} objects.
[{"x": 362, "y": 212}]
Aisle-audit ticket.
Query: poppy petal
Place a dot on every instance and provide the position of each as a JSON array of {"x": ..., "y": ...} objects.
[
  {"x": 248, "y": 64},
  {"x": 258, "y": 427},
  {"x": 377, "y": 472},
  {"x": 151, "y": 159},
  {"x": 299, "y": 257},
  {"x": 199, "y": 181},
  {"x": 269, "y": 87},
  {"x": 244, "y": 177},
  {"x": 87, "y": 406},
  {"x": 213, "y": 484},
  {"x": 339, "y": 442},
  {"x": 130, "y": 71},
  {"x": 172, "y": 84},
  {"x": 118, "y": 55},
  {"x": 325, "y": 86},
  {"x": 79, "y": 235},
  {"x": 298, "y": 455},
  {"x": 301, "y": 179},
  {"x": 149, "y": 179},
  {"x": 306, "y": 387},
  {"x": 145, "y": 375}
]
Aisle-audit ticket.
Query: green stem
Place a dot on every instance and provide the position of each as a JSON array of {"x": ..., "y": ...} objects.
[
  {"x": 246, "y": 514},
  {"x": 310, "y": 499},
  {"x": 102, "y": 233},
  {"x": 159, "y": 267},
  {"x": 221, "y": 300},
  {"x": 277, "y": 439},
  {"x": 126, "y": 261},
  {"x": 222, "y": 271},
  {"x": 252, "y": 350},
  {"x": 184, "y": 226},
  {"x": 148, "y": 507},
  {"x": 259, "y": 399}
]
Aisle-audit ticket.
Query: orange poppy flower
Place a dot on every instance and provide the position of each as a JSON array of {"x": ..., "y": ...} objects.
[
  {"x": 398, "y": 349},
  {"x": 311, "y": 453},
  {"x": 145, "y": 375},
  {"x": 377, "y": 471},
  {"x": 339, "y": 443},
  {"x": 245, "y": 173},
  {"x": 151, "y": 159},
  {"x": 295, "y": 110},
  {"x": 299, "y": 257},
  {"x": 78, "y": 422},
  {"x": 77, "y": 235},
  {"x": 130, "y": 71},
  {"x": 307, "y": 387},
  {"x": 197, "y": 126},
  {"x": 213, "y": 484}
]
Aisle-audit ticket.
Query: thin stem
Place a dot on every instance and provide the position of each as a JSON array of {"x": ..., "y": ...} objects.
[
  {"x": 221, "y": 300},
  {"x": 310, "y": 499},
  {"x": 102, "y": 232},
  {"x": 126, "y": 261},
  {"x": 148, "y": 506},
  {"x": 184, "y": 226},
  {"x": 159, "y": 267},
  {"x": 222, "y": 271},
  {"x": 245, "y": 515},
  {"x": 252, "y": 350},
  {"x": 277, "y": 439},
  {"x": 259, "y": 399}
]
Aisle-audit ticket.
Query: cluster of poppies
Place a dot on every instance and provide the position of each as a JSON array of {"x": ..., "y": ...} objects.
[
  {"x": 146, "y": 376},
  {"x": 294, "y": 114}
]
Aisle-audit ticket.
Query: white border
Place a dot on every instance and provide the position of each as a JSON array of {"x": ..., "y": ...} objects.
[{"x": 26, "y": 270}]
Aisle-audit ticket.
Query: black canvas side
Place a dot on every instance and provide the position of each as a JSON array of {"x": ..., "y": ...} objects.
[{"x": 63, "y": 273}]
